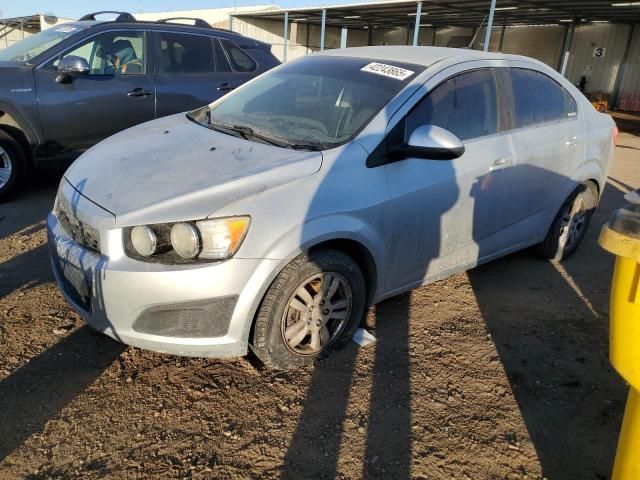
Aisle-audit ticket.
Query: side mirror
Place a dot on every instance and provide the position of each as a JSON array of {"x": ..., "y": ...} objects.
[
  {"x": 71, "y": 65},
  {"x": 432, "y": 142}
]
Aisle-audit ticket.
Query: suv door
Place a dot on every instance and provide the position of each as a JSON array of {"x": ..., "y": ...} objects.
[
  {"x": 117, "y": 93},
  {"x": 192, "y": 70},
  {"x": 446, "y": 214},
  {"x": 550, "y": 143}
]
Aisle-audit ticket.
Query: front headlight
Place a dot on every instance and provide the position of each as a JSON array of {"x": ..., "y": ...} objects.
[{"x": 207, "y": 240}]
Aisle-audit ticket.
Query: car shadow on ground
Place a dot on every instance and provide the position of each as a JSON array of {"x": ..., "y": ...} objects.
[
  {"x": 29, "y": 207},
  {"x": 555, "y": 360},
  {"x": 569, "y": 396},
  {"x": 38, "y": 391}
]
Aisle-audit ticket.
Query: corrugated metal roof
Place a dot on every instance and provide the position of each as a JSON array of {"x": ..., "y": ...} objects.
[{"x": 461, "y": 12}]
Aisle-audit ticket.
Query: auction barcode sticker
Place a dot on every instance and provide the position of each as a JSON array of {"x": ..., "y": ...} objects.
[{"x": 387, "y": 70}]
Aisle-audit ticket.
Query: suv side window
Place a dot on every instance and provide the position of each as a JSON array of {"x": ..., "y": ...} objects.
[
  {"x": 111, "y": 53},
  {"x": 539, "y": 99},
  {"x": 184, "y": 53},
  {"x": 240, "y": 61},
  {"x": 466, "y": 105}
]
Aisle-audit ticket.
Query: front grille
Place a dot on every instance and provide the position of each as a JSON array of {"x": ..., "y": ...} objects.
[{"x": 80, "y": 232}]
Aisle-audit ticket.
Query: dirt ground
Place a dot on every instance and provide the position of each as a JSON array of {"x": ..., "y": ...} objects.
[{"x": 497, "y": 373}]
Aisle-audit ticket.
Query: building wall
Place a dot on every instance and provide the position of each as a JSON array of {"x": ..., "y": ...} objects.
[
  {"x": 629, "y": 96},
  {"x": 600, "y": 71}
]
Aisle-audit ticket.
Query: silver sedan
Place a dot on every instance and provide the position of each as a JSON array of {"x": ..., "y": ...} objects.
[{"x": 273, "y": 217}]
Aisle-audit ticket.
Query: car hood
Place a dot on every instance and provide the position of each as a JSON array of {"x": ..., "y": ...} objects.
[{"x": 173, "y": 169}]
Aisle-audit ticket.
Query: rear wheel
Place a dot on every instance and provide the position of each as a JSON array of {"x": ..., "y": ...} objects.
[
  {"x": 11, "y": 165},
  {"x": 312, "y": 308},
  {"x": 570, "y": 225}
]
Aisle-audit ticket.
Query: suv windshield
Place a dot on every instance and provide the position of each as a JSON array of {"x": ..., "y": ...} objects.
[
  {"x": 26, "y": 49},
  {"x": 314, "y": 103}
]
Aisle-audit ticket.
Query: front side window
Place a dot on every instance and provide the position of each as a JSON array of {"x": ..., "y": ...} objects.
[
  {"x": 319, "y": 102},
  {"x": 111, "y": 53},
  {"x": 32, "y": 46},
  {"x": 465, "y": 105},
  {"x": 184, "y": 53},
  {"x": 538, "y": 99}
]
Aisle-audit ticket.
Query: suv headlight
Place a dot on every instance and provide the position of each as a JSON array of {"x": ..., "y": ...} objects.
[{"x": 208, "y": 240}]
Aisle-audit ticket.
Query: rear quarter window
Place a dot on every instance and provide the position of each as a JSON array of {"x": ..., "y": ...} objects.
[{"x": 240, "y": 61}]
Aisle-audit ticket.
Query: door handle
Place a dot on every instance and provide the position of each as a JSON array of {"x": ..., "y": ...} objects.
[
  {"x": 139, "y": 92},
  {"x": 499, "y": 164},
  {"x": 225, "y": 87}
]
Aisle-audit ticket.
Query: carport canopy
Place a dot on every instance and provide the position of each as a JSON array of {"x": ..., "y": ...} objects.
[
  {"x": 466, "y": 13},
  {"x": 449, "y": 13}
]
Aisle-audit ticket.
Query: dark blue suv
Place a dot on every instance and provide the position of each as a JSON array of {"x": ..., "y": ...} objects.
[{"x": 68, "y": 87}]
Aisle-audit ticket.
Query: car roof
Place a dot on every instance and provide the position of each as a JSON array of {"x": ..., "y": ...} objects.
[
  {"x": 182, "y": 27},
  {"x": 418, "y": 55}
]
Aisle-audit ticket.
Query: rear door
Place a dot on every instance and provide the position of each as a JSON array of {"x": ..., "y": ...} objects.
[
  {"x": 117, "y": 93},
  {"x": 549, "y": 140},
  {"x": 192, "y": 70}
]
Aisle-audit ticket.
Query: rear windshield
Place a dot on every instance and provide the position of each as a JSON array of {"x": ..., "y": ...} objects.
[
  {"x": 32, "y": 46},
  {"x": 317, "y": 102}
]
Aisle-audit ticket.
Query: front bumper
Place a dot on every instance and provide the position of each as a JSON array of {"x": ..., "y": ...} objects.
[{"x": 195, "y": 310}]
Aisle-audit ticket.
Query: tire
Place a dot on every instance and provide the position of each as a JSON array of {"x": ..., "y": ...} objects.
[
  {"x": 12, "y": 166},
  {"x": 570, "y": 225},
  {"x": 327, "y": 276}
]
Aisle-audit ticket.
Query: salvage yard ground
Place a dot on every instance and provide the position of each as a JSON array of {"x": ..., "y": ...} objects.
[{"x": 501, "y": 372}]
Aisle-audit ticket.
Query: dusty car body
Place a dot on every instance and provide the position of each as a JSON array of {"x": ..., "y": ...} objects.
[{"x": 432, "y": 181}]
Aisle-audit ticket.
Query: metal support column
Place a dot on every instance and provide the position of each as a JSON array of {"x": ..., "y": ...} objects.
[
  {"x": 566, "y": 49},
  {"x": 322, "y": 29},
  {"x": 370, "y": 35},
  {"x": 433, "y": 37},
  {"x": 416, "y": 29},
  {"x": 620, "y": 74},
  {"x": 504, "y": 27},
  {"x": 343, "y": 37},
  {"x": 285, "y": 36},
  {"x": 487, "y": 35},
  {"x": 231, "y": 22}
]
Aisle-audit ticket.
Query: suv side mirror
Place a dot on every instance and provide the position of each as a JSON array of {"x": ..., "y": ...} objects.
[
  {"x": 432, "y": 142},
  {"x": 71, "y": 65}
]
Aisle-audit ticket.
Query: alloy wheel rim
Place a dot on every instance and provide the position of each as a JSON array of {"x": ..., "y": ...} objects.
[
  {"x": 316, "y": 313},
  {"x": 5, "y": 167},
  {"x": 573, "y": 224}
]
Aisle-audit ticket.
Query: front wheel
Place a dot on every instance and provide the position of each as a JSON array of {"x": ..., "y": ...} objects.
[
  {"x": 11, "y": 165},
  {"x": 570, "y": 225},
  {"x": 312, "y": 308}
]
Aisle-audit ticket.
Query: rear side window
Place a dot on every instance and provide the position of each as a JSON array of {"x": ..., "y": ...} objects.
[
  {"x": 183, "y": 53},
  {"x": 240, "y": 61},
  {"x": 538, "y": 99},
  {"x": 466, "y": 105}
]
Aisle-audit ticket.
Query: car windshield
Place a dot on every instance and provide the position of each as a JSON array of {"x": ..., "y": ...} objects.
[
  {"x": 315, "y": 103},
  {"x": 32, "y": 46}
]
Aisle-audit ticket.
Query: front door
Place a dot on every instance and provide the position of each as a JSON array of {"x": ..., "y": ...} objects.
[
  {"x": 448, "y": 213},
  {"x": 117, "y": 93}
]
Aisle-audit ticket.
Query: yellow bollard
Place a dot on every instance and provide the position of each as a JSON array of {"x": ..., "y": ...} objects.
[{"x": 621, "y": 236}]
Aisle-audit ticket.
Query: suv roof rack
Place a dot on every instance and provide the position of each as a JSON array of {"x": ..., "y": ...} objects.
[
  {"x": 121, "y": 16},
  {"x": 197, "y": 22}
]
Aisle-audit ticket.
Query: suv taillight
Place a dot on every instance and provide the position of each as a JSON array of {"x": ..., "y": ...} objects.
[{"x": 615, "y": 135}]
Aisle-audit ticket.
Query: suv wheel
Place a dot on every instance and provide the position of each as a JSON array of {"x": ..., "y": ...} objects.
[
  {"x": 11, "y": 165},
  {"x": 312, "y": 308},
  {"x": 570, "y": 225}
]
